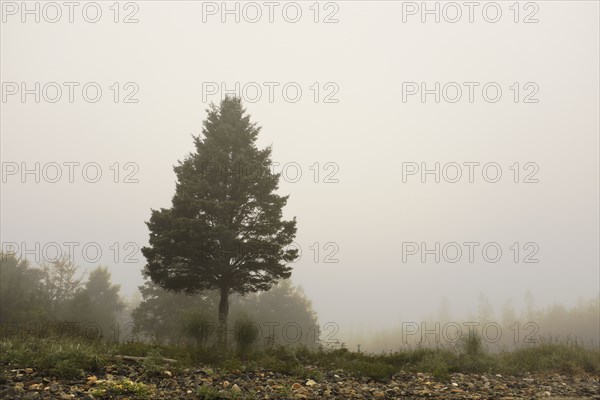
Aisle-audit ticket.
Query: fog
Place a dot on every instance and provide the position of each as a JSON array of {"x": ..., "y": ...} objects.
[{"x": 352, "y": 146}]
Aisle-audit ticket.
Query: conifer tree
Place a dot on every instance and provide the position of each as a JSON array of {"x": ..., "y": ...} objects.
[{"x": 225, "y": 229}]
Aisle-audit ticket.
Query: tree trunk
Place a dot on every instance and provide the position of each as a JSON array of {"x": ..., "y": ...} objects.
[{"x": 223, "y": 312}]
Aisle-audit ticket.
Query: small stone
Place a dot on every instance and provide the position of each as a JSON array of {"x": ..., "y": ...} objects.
[
  {"x": 226, "y": 384},
  {"x": 310, "y": 382},
  {"x": 296, "y": 386},
  {"x": 236, "y": 388},
  {"x": 454, "y": 384},
  {"x": 168, "y": 373},
  {"x": 54, "y": 387},
  {"x": 34, "y": 381}
]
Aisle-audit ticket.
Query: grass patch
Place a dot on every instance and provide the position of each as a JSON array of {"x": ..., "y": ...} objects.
[
  {"x": 122, "y": 387},
  {"x": 70, "y": 358},
  {"x": 569, "y": 358},
  {"x": 66, "y": 358},
  {"x": 207, "y": 392}
]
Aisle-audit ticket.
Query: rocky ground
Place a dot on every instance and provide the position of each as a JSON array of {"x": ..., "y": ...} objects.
[{"x": 132, "y": 382}]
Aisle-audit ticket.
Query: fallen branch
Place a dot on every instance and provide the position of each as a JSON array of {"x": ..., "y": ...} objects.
[{"x": 133, "y": 358}]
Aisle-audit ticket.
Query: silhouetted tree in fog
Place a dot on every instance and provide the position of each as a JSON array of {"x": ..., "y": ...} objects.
[
  {"x": 224, "y": 230},
  {"x": 59, "y": 283},
  {"x": 20, "y": 295},
  {"x": 98, "y": 302}
]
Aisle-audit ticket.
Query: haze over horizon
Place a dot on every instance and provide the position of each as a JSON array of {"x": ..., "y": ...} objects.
[{"x": 358, "y": 134}]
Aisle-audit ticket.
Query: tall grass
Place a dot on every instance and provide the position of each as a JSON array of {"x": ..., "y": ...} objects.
[{"x": 72, "y": 358}]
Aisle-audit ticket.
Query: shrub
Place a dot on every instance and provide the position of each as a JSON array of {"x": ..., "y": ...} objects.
[
  {"x": 246, "y": 334},
  {"x": 196, "y": 325},
  {"x": 154, "y": 363},
  {"x": 207, "y": 392},
  {"x": 373, "y": 369},
  {"x": 471, "y": 345},
  {"x": 231, "y": 365}
]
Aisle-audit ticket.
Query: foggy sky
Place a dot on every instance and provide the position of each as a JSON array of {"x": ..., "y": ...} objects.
[{"x": 171, "y": 54}]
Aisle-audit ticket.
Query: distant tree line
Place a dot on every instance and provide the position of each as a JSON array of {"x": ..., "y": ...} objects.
[
  {"x": 31, "y": 296},
  {"x": 502, "y": 329},
  {"x": 57, "y": 298}
]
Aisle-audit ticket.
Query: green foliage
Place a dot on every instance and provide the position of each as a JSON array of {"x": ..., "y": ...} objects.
[
  {"x": 20, "y": 295},
  {"x": 99, "y": 301},
  {"x": 59, "y": 286},
  {"x": 176, "y": 318},
  {"x": 231, "y": 364},
  {"x": 207, "y": 392},
  {"x": 70, "y": 359},
  {"x": 441, "y": 373},
  {"x": 471, "y": 345},
  {"x": 274, "y": 364},
  {"x": 224, "y": 230},
  {"x": 246, "y": 334},
  {"x": 285, "y": 354},
  {"x": 197, "y": 325},
  {"x": 284, "y": 303},
  {"x": 154, "y": 363},
  {"x": 313, "y": 374},
  {"x": 563, "y": 356},
  {"x": 122, "y": 387},
  {"x": 438, "y": 362},
  {"x": 165, "y": 316},
  {"x": 52, "y": 301},
  {"x": 370, "y": 368},
  {"x": 137, "y": 349},
  {"x": 64, "y": 358}
]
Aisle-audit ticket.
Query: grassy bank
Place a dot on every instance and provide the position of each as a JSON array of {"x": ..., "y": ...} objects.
[{"x": 72, "y": 358}]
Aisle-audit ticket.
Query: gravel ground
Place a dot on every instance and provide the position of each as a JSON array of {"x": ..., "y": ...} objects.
[{"x": 204, "y": 383}]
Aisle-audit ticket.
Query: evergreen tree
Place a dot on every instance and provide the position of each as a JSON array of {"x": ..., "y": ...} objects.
[
  {"x": 285, "y": 305},
  {"x": 98, "y": 302},
  {"x": 20, "y": 294},
  {"x": 224, "y": 230}
]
